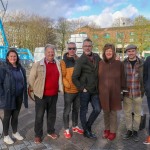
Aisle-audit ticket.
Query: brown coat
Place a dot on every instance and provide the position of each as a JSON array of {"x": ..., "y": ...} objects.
[{"x": 111, "y": 82}]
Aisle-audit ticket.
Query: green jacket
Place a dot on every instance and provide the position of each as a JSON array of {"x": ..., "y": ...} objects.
[{"x": 85, "y": 74}]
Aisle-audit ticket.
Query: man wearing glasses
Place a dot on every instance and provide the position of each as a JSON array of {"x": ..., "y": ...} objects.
[
  {"x": 71, "y": 95},
  {"x": 85, "y": 77}
]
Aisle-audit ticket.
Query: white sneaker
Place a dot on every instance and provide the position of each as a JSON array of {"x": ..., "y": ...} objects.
[
  {"x": 8, "y": 140},
  {"x": 17, "y": 136}
]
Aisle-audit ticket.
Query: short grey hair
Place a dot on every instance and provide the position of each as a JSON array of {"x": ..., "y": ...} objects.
[
  {"x": 71, "y": 43},
  {"x": 50, "y": 46},
  {"x": 88, "y": 40}
]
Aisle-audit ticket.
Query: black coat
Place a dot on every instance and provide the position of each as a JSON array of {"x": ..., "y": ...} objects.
[
  {"x": 146, "y": 76},
  {"x": 7, "y": 88},
  {"x": 85, "y": 74}
]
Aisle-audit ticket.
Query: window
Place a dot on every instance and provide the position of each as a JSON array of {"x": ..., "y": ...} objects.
[
  {"x": 82, "y": 33},
  {"x": 132, "y": 33},
  {"x": 119, "y": 36},
  {"x": 146, "y": 37},
  {"x": 95, "y": 36},
  {"x": 132, "y": 37},
  {"x": 106, "y": 35}
]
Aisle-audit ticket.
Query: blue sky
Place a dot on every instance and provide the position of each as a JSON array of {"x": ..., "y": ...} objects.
[{"x": 101, "y": 12}]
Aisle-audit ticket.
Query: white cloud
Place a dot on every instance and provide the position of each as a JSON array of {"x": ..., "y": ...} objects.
[
  {"x": 83, "y": 8},
  {"x": 106, "y": 18},
  {"x": 59, "y": 8},
  {"x": 48, "y": 8}
]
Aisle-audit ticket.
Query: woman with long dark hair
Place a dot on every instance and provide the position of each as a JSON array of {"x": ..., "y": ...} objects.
[
  {"x": 111, "y": 82},
  {"x": 13, "y": 91}
]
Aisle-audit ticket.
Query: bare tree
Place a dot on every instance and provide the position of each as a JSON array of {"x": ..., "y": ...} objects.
[
  {"x": 63, "y": 28},
  {"x": 142, "y": 32},
  {"x": 29, "y": 31}
]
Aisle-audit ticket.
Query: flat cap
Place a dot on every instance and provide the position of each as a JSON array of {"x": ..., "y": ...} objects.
[{"x": 131, "y": 46}]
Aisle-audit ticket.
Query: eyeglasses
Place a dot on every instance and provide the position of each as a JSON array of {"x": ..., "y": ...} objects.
[{"x": 73, "y": 48}]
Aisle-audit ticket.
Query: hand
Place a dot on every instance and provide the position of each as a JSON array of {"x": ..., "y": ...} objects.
[
  {"x": 84, "y": 90},
  {"x": 124, "y": 91}
]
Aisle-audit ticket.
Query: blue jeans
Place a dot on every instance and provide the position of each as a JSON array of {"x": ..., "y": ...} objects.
[
  {"x": 148, "y": 102},
  {"x": 85, "y": 99}
]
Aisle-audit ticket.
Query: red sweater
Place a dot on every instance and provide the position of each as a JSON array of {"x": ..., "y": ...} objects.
[{"x": 52, "y": 79}]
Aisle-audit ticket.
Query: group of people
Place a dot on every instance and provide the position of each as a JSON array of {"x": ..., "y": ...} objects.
[{"x": 82, "y": 80}]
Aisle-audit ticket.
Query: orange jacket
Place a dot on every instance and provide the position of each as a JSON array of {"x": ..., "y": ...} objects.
[{"x": 67, "y": 67}]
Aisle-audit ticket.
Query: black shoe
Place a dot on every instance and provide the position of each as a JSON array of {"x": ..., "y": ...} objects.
[
  {"x": 135, "y": 136},
  {"x": 93, "y": 135},
  {"x": 89, "y": 134},
  {"x": 127, "y": 135}
]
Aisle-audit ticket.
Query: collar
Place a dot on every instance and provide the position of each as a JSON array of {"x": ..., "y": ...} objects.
[
  {"x": 42, "y": 61},
  {"x": 47, "y": 61}
]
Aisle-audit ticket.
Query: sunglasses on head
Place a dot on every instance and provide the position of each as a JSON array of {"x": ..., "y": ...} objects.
[{"x": 73, "y": 48}]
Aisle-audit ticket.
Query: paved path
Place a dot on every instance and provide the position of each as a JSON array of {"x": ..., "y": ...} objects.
[{"x": 77, "y": 142}]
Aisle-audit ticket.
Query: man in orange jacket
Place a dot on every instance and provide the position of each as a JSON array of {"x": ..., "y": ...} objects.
[{"x": 71, "y": 95}]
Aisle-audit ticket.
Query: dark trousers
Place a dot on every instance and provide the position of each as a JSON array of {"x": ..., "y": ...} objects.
[
  {"x": 71, "y": 100},
  {"x": 12, "y": 115},
  {"x": 85, "y": 99},
  {"x": 148, "y": 102},
  {"x": 48, "y": 104}
]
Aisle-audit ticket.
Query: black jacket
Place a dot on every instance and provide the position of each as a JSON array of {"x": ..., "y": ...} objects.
[
  {"x": 85, "y": 74},
  {"x": 7, "y": 88},
  {"x": 146, "y": 76}
]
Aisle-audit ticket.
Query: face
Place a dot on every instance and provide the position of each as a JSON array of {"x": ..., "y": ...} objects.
[
  {"x": 12, "y": 58},
  {"x": 71, "y": 50},
  {"x": 49, "y": 54},
  {"x": 87, "y": 47},
  {"x": 109, "y": 53},
  {"x": 131, "y": 54}
]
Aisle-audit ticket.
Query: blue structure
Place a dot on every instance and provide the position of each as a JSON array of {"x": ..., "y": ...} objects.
[
  {"x": 26, "y": 58},
  {"x": 24, "y": 53},
  {"x": 3, "y": 43}
]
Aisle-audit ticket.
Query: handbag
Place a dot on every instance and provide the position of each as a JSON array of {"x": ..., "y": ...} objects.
[{"x": 143, "y": 122}]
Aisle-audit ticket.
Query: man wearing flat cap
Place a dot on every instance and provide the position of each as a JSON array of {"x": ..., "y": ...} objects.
[{"x": 133, "y": 96}]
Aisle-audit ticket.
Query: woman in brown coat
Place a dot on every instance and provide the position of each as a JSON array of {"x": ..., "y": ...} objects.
[{"x": 111, "y": 82}]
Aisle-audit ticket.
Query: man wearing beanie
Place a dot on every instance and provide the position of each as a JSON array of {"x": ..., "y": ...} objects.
[{"x": 133, "y": 97}]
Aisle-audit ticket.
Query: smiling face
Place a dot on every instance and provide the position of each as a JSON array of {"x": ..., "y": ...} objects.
[
  {"x": 131, "y": 54},
  {"x": 12, "y": 58},
  {"x": 109, "y": 53},
  {"x": 49, "y": 54},
  {"x": 71, "y": 49}
]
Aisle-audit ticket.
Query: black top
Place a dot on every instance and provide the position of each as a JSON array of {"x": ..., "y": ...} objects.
[{"x": 133, "y": 63}]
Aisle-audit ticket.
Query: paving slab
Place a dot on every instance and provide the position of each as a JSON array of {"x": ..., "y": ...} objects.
[{"x": 77, "y": 142}]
